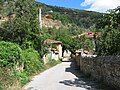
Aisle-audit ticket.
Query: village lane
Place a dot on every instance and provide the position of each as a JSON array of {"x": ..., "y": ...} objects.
[{"x": 64, "y": 76}]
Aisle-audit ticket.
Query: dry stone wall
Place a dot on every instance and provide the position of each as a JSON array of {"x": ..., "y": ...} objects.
[{"x": 103, "y": 68}]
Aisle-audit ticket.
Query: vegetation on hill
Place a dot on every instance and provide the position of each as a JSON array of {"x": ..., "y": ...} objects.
[{"x": 81, "y": 18}]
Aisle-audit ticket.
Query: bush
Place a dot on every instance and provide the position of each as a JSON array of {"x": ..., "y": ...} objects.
[
  {"x": 10, "y": 54},
  {"x": 22, "y": 77},
  {"x": 32, "y": 62}
]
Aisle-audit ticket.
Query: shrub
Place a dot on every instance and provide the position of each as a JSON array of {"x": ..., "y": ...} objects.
[
  {"x": 22, "y": 77},
  {"x": 10, "y": 54},
  {"x": 32, "y": 62}
]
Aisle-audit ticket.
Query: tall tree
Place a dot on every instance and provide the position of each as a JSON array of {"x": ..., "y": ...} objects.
[
  {"x": 25, "y": 25},
  {"x": 108, "y": 43}
]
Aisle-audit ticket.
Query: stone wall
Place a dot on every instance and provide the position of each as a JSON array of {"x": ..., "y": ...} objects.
[{"x": 105, "y": 69}]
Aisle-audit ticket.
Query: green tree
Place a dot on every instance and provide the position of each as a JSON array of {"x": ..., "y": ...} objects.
[
  {"x": 25, "y": 26},
  {"x": 109, "y": 25}
]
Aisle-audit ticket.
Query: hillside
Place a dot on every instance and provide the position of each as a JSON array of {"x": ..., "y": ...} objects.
[{"x": 81, "y": 18}]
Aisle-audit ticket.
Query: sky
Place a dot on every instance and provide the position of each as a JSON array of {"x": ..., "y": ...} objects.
[{"x": 91, "y": 5}]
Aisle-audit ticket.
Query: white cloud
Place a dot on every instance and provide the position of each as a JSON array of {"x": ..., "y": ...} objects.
[{"x": 101, "y": 5}]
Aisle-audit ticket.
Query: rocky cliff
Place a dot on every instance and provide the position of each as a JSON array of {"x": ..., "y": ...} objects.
[{"x": 49, "y": 22}]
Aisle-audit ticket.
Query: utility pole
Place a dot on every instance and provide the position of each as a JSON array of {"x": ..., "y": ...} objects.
[
  {"x": 40, "y": 18},
  {"x": 40, "y": 24}
]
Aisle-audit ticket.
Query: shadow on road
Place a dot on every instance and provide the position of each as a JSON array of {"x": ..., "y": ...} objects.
[{"x": 81, "y": 80}]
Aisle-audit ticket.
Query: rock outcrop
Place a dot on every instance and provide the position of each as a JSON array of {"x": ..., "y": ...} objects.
[{"x": 48, "y": 22}]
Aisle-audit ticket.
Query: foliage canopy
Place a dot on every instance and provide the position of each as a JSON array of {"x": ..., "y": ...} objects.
[{"x": 109, "y": 25}]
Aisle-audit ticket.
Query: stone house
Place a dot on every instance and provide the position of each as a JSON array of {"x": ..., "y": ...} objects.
[{"x": 54, "y": 53}]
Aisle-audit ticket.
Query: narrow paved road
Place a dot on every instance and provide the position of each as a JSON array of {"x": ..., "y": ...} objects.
[{"x": 64, "y": 76}]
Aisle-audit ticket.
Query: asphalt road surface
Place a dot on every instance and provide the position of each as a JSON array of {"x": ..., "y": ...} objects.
[{"x": 64, "y": 76}]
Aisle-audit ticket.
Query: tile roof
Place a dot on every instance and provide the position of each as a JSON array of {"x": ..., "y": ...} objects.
[{"x": 50, "y": 41}]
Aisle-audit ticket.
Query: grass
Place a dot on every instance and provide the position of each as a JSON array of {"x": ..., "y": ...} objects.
[{"x": 52, "y": 63}]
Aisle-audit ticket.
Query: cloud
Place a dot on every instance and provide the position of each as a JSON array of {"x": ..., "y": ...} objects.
[{"x": 101, "y": 5}]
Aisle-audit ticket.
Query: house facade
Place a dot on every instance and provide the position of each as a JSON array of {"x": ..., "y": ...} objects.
[{"x": 54, "y": 52}]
